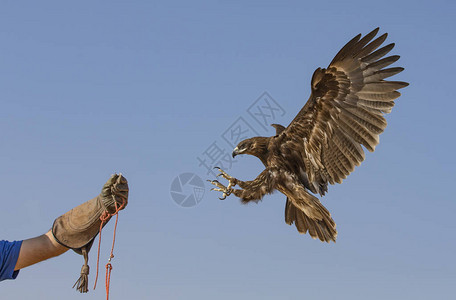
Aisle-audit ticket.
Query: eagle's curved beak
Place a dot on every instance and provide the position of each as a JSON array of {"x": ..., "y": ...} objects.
[{"x": 235, "y": 152}]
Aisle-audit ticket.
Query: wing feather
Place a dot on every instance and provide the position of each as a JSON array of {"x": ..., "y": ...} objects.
[
  {"x": 345, "y": 110},
  {"x": 378, "y": 53},
  {"x": 379, "y": 97},
  {"x": 381, "y": 87},
  {"x": 382, "y": 74},
  {"x": 364, "y": 117},
  {"x": 346, "y": 49},
  {"x": 379, "y": 64},
  {"x": 372, "y": 46}
]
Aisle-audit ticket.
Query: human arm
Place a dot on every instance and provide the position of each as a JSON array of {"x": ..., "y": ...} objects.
[{"x": 37, "y": 249}]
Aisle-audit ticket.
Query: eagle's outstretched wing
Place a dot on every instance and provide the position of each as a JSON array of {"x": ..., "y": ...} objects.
[{"x": 345, "y": 111}]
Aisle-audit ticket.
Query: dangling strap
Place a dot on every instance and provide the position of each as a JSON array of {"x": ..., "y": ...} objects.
[
  {"x": 104, "y": 217},
  {"x": 82, "y": 284}
]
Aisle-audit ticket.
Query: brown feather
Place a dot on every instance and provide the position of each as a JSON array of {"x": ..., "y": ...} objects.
[
  {"x": 379, "y": 97},
  {"x": 378, "y": 54},
  {"x": 373, "y": 45},
  {"x": 382, "y": 74}
]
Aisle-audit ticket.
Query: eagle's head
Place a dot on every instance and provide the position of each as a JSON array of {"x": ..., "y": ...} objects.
[{"x": 256, "y": 146}]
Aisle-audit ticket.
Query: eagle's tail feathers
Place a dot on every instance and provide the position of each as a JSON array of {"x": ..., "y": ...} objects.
[{"x": 323, "y": 228}]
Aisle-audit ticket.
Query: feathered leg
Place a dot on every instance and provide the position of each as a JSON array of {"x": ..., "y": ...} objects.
[{"x": 252, "y": 190}]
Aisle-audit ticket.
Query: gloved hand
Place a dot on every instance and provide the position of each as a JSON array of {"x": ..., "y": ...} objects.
[{"x": 78, "y": 228}]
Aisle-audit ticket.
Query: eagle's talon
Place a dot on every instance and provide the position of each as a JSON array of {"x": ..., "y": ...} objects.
[
  {"x": 221, "y": 188},
  {"x": 232, "y": 180},
  {"x": 217, "y": 184}
]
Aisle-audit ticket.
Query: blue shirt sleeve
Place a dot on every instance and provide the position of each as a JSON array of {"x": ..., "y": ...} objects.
[{"x": 9, "y": 252}]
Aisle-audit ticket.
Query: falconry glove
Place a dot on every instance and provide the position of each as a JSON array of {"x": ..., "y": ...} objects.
[{"x": 78, "y": 228}]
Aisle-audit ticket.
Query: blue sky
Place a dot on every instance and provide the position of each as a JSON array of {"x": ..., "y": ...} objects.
[{"x": 144, "y": 87}]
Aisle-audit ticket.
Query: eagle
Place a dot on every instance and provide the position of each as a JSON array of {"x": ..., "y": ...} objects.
[{"x": 323, "y": 143}]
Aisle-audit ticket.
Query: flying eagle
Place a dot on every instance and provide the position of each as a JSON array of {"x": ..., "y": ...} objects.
[{"x": 323, "y": 142}]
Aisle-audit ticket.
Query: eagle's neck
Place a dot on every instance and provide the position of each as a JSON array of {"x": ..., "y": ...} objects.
[{"x": 260, "y": 149}]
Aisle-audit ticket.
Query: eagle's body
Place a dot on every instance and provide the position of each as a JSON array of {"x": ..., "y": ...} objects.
[{"x": 323, "y": 142}]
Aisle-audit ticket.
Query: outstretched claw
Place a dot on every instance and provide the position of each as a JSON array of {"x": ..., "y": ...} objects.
[
  {"x": 221, "y": 188},
  {"x": 231, "y": 180}
]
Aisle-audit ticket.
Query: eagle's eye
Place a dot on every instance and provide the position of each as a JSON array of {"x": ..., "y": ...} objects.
[{"x": 245, "y": 146}]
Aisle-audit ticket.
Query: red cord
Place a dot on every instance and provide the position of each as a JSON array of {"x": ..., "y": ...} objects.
[
  {"x": 108, "y": 278},
  {"x": 104, "y": 218}
]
